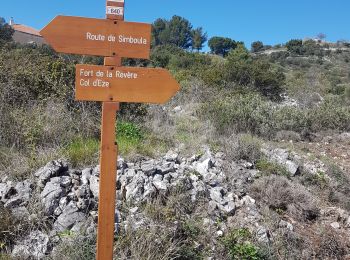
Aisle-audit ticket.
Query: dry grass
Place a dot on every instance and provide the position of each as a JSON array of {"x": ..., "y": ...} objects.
[
  {"x": 184, "y": 128},
  {"x": 154, "y": 242},
  {"x": 283, "y": 196},
  {"x": 242, "y": 147}
]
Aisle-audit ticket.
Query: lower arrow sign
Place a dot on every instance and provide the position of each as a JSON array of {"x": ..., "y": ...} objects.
[{"x": 124, "y": 84}]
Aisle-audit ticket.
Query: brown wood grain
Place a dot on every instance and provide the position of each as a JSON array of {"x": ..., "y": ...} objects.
[
  {"x": 68, "y": 34},
  {"x": 107, "y": 192},
  {"x": 111, "y": 3},
  {"x": 152, "y": 85},
  {"x": 106, "y": 217}
]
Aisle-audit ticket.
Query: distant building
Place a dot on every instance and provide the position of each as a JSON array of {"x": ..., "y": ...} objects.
[{"x": 25, "y": 34}]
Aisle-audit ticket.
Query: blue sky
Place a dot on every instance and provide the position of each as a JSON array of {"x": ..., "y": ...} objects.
[{"x": 271, "y": 21}]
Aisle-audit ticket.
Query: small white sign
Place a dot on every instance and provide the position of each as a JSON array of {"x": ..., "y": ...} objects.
[
  {"x": 116, "y": 1},
  {"x": 115, "y": 10}
]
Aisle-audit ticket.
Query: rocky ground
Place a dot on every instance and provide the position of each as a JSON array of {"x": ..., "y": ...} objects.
[{"x": 232, "y": 195}]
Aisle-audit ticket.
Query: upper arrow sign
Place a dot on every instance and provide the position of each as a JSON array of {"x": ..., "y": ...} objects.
[
  {"x": 99, "y": 37},
  {"x": 124, "y": 84}
]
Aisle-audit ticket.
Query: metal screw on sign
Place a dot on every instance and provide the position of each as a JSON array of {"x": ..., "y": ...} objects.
[{"x": 113, "y": 39}]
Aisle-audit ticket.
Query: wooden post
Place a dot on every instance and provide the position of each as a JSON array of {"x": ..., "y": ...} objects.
[
  {"x": 108, "y": 170},
  {"x": 106, "y": 207}
]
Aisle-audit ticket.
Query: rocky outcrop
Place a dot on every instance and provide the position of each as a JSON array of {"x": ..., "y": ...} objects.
[{"x": 69, "y": 198}]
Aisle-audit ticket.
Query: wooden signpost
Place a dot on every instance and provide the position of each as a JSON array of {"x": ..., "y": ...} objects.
[
  {"x": 112, "y": 38},
  {"x": 124, "y": 84},
  {"x": 100, "y": 37}
]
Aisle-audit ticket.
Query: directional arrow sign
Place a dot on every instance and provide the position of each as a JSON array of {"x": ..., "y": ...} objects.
[
  {"x": 124, "y": 84},
  {"x": 100, "y": 37}
]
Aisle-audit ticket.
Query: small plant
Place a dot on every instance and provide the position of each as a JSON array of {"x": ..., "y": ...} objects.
[
  {"x": 318, "y": 179},
  {"x": 191, "y": 229},
  {"x": 65, "y": 234},
  {"x": 280, "y": 211},
  {"x": 269, "y": 168},
  {"x": 82, "y": 151},
  {"x": 238, "y": 244},
  {"x": 195, "y": 173},
  {"x": 129, "y": 137},
  {"x": 129, "y": 131},
  {"x": 321, "y": 179}
]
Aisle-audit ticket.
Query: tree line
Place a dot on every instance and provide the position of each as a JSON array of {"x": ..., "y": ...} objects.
[{"x": 179, "y": 32}]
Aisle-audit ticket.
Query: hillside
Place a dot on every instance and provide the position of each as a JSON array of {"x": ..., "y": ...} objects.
[{"x": 249, "y": 161}]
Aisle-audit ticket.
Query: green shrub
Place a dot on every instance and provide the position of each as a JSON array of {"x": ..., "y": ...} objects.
[
  {"x": 241, "y": 113},
  {"x": 279, "y": 56},
  {"x": 162, "y": 54},
  {"x": 250, "y": 113},
  {"x": 213, "y": 76},
  {"x": 129, "y": 131},
  {"x": 295, "y": 46},
  {"x": 129, "y": 137},
  {"x": 291, "y": 118},
  {"x": 330, "y": 115},
  {"x": 319, "y": 179},
  {"x": 238, "y": 245},
  {"x": 257, "y": 73},
  {"x": 267, "y": 78}
]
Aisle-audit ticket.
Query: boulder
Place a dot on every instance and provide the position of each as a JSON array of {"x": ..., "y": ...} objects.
[
  {"x": 228, "y": 208},
  {"x": 24, "y": 189},
  {"x": 85, "y": 176},
  {"x": 96, "y": 171},
  {"x": 263, "y": 234},
  {"x": 135, "y": 189},
  {"x": 166, "y": 168},
  {"x": 3, "y": 190},
  {"x": 199, "y": 189},
  {"x": 282, "y": 157},
  {"x": 335, "y": 225},
  {"x": 161, "y": 186},
  {"x": 94, "y": 185},
  {"x": 69, "y": 217},
  {"x": 52, "y": 169},
  {"x": 171, "y": 156},
  {"x": 148, "y": 167},
  {"x": 51, "y": 196},
  {"x": 66, "y": 182},
  {"x": 203, "y": 167},
  {"x": 216, "y": 194}
]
